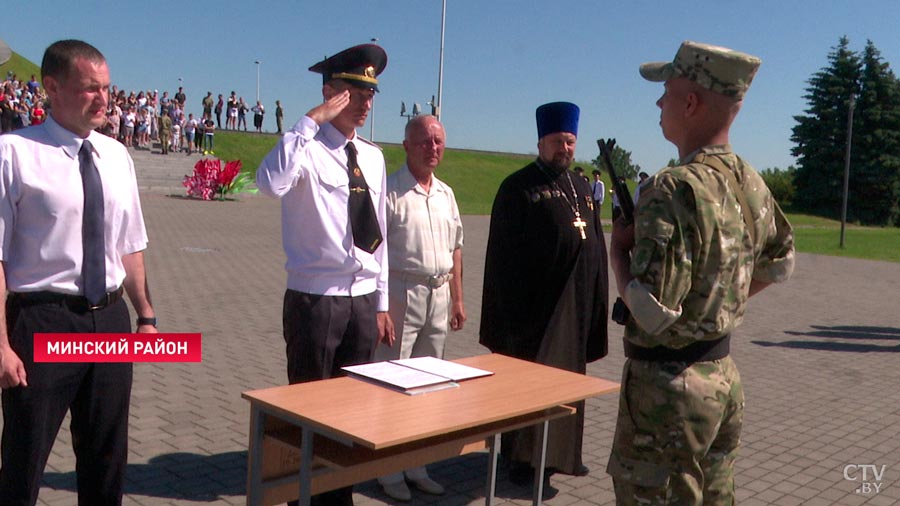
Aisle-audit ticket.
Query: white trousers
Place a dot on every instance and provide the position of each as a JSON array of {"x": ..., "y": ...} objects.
[{"x": 421, "y": 317}]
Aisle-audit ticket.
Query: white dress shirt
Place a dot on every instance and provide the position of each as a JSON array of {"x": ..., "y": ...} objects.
[
  {"x": 307, "y": 170},
  {"x": 423, "y": 228},
  {"x": 599, "y": 190},
  {"x": 41, "y": 205}
]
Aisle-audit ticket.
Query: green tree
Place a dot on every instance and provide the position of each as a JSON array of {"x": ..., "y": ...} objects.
[
  {"x": 820, "y": 136},
  {"x": 875, "y": 164},
  {"x": 780, "y": 183},
  {"x": 621, "y": 160}
]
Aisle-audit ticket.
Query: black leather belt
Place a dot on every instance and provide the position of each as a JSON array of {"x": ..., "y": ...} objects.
[
  {"x": 77, "y": 303},
  {"x": 701, "y": 351}
]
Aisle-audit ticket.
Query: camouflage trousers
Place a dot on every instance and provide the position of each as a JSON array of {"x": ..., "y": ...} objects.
[{"x": 677, "y": 433}]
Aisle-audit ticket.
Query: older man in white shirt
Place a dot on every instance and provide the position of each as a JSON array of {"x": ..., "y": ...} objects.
[{"x": 425, "y": 238}]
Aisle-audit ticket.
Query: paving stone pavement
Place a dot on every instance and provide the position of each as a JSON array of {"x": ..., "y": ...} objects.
[{"x": 819, "y": 359}]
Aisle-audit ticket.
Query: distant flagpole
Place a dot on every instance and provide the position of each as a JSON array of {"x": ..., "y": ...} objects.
[
  {"x": 851, "y": 107},
  {"x": 437, "y": 109},
  {"x": 257, "y": 62},
  {"x": 372, "y": 115}
]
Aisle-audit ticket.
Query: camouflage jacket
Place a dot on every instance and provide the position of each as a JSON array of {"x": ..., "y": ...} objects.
[{"x": 694, "y": 259}]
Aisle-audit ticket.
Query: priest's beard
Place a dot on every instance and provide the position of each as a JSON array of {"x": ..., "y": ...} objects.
[{"x": 559, "y": 162}]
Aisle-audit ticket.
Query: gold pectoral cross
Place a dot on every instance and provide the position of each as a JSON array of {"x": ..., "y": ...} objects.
[{"x": 580, "y": 224}]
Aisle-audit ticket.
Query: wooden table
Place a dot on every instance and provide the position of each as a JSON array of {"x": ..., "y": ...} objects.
[{"x": 338, "y": 432}]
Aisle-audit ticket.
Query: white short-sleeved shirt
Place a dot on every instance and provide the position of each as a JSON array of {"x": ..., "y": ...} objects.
[
  {"x": 599, "y": 191},
  {"x": 41, "y": 205},
  {"x": 307, "y": 170},
  {"x": 423, "y": 228}
]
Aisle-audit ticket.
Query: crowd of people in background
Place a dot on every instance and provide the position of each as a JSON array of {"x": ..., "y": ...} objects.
[
  {"x": 139, "y": 118},
  {"x": 21, "y": 103},
  {"x": 136, "y": 118}
]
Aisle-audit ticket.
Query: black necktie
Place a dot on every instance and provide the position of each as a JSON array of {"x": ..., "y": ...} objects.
[
  {"x": 363, "y": 222},
  {"x": 93, "y": 263}
]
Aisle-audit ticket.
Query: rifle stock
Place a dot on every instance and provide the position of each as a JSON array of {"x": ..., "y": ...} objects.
[{"x": 620, "y": 312}]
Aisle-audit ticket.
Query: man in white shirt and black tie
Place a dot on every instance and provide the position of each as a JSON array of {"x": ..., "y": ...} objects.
[
  {"x": 331, "y": 183},
  {"x": 72, "y": 237}
]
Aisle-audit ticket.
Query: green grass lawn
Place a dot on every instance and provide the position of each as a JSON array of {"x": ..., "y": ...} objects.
[
  {"x": 21, "y": 67},
  {"x": 476, "y": 175},
  {"x": 873, "y": 243},
  {"x": 249, "y": 148}
]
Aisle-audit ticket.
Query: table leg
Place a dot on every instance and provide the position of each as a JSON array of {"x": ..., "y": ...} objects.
[
  {"x": 254, "y": 457},
  {"x": 306, "y": 467},
  {"x": 494, "y": 443},
  {"x": 539, "y": 470}
]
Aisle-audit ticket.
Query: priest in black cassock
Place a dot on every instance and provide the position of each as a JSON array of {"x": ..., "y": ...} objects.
[{"x": 545, "y": 282}]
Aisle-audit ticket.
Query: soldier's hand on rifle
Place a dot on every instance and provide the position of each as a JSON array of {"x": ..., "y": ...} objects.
[{"x": 620, "y": 253}]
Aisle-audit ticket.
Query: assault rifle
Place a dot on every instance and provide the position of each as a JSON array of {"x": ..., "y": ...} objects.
[
  {"x": 626, "y": 205},
  {"x": 620, "y": 312}
]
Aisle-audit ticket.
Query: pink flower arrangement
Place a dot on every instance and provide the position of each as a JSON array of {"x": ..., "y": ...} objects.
[{"x": 210, "y": 180}]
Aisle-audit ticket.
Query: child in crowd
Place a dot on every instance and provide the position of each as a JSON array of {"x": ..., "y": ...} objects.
[
  {"x": 128, "y": 121},
  {"x": 209, "y": 136},
  {"x": 190, "y": 129},
  {"x": 176, "y": 136}
]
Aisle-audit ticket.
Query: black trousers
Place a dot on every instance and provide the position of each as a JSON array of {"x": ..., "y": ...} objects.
[
  {"x": 97, "y": 395},
  {"x": 322, "y": 334}
]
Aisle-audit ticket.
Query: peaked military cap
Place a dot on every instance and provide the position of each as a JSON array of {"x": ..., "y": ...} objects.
[
  {"x": 557, "y": 117},
  {"x": 358, "y": 65},
  {"x": 716, "y": 68}
]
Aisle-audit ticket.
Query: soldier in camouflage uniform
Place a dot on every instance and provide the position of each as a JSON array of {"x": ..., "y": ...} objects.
[{"x": 707, "y": 235}]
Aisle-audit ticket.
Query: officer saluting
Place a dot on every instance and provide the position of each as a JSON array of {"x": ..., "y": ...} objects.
[{"x": 331, "y": 183}]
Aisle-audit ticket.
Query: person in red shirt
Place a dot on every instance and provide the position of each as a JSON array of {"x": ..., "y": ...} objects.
[{"x": 37, "y": 114}]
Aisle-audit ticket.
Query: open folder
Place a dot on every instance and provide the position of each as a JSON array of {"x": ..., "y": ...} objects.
[{"x": 415, "y": 375}]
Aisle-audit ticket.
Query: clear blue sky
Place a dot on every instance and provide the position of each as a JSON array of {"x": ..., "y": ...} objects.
[{"x": 502, "y": 58}]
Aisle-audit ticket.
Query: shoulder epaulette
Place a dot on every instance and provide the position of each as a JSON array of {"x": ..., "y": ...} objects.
[{"x": 367, "y": 141}]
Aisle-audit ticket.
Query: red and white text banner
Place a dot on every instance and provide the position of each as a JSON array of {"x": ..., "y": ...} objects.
[{"x": 117, "y": 348}]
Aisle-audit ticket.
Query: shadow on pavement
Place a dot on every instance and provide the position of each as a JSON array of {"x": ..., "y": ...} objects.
[
  {"x": 841, "y": 332},
  {"x": 464, "y": 478},
  {"x": 185, "y": 476}
]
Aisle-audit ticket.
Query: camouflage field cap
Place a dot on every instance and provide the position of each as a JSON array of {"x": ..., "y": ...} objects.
[{"x": 716, "y": 68}]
